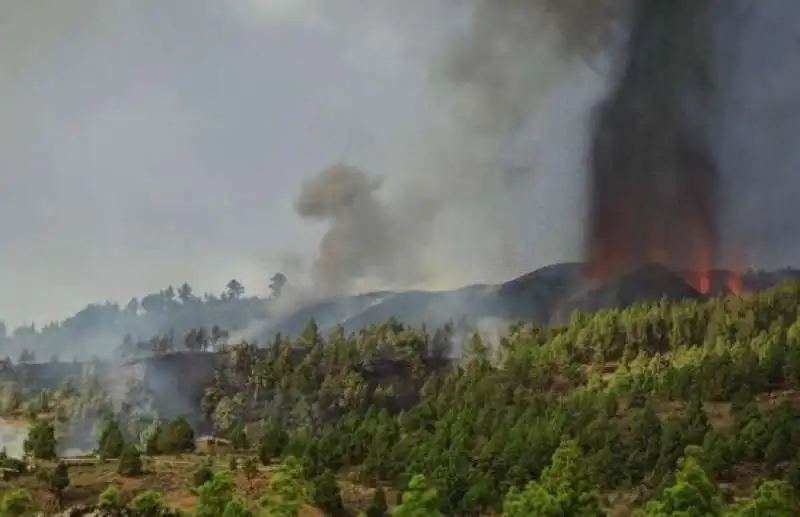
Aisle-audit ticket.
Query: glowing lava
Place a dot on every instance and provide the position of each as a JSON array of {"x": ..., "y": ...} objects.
[{"x": 654, "y": 179}]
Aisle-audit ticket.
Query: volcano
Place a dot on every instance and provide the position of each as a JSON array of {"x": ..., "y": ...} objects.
[
  {"x": 645, "y": 284},
  {"x": 547, "y": 295}
]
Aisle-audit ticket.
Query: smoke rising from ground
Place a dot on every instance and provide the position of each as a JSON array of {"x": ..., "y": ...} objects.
[
  {"x": 466, "y": 197},
  {"x": 362, "y": 240},
  {"x": 12, "y": 436}
]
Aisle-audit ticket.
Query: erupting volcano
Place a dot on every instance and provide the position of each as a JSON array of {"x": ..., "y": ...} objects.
[{"x": 654, "y": 178}]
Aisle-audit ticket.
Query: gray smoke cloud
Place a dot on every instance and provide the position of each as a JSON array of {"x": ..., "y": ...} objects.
[
  {"x": 363, "y": 239},
  {"x": 468, "y": 195},
  {"x": 12, "y": 437},
  {"x": 756, "y": 151}
]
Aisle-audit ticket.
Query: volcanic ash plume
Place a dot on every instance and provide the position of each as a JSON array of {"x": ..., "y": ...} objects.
[
  {"x": 450, "y": 211},
  {"x": 361, "y": 240},
  {"x": 654, "y": 179}
]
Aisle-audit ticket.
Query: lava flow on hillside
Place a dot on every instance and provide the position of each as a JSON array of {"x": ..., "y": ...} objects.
[{"x": 654, "y": 179}]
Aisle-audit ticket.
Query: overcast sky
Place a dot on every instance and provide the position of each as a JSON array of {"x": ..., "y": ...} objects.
[{"x": 148, "y": 142}]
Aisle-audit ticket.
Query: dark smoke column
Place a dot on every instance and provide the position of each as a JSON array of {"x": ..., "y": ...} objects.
[{"x": 653, "y": 183}]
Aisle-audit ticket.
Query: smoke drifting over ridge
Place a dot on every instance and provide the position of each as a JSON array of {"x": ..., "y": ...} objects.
[
  {"x": 461, "y": 206},
  {"x": 361, "y": 240}
]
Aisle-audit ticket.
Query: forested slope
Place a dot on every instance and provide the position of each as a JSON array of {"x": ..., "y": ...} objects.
[
  {"x": 620, "y": 395},
  {"x": 661, "y": 409}
]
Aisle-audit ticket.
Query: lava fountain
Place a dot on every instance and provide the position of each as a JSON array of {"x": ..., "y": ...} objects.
[{"x": 654, "y": 180}]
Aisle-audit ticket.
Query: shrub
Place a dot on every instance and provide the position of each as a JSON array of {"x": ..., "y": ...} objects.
[
  {"x": 111, "y": 497},
  {"x": 16, "y": 503},
  {"x": 214, "y": 495},
  {"x": 202, "y": 476},
  {"x": 272, "y": 443},
  {"x": 130, "y": 463},
  {"x": 237, "y": 507},
  {"x": 148, "y": 503},
  {"x": 177, "y": 437}
]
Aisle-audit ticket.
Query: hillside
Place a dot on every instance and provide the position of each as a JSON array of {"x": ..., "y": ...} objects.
[
  {"x": 689, "y": 405},
  {"x": 163, "y": 321}
]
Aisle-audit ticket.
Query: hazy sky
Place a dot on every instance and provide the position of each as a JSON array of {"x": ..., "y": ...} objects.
[{"x": 149, "y": 142}]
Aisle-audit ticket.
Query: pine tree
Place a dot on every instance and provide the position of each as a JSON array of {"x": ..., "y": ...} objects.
[
  {"x": 272, "y": 442},
  {"x": 325, "y": 494},
  {"x": 418, "y": 499},
  {"x": 691, "y": 494},
  {"x": 565, "y": 488},
  {"x": 238, "y": 438},
  {"x": 41, "y": 441},
  {"x": 130, "y": 462},
  {"x": 214, "y": 495},
  {"x": 177, "y": 437},
  {"x": 112, "y": 442}
]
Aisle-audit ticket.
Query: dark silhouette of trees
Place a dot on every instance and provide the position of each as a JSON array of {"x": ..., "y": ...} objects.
[
  {"x": 112, "y": 441},
  {"x": 233, "y": 290},
  {"x": 55, "y": 480},
  {"x": 41, "y": 441},
  {"x": 176, "y": 437},
  {"x": 130, "y": 462},
  {"x": 143, "y": 326}
]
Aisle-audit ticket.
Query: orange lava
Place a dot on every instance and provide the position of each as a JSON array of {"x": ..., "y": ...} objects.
[
  {"x": 734, "y": 281},
  {"x": 695, "y": 254},
  {"x": 701, "y": 260}
]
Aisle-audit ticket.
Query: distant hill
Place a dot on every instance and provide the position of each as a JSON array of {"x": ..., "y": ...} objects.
[
  {"x": 531, "y": 297},
  {"x": 546, "y": 295}
]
